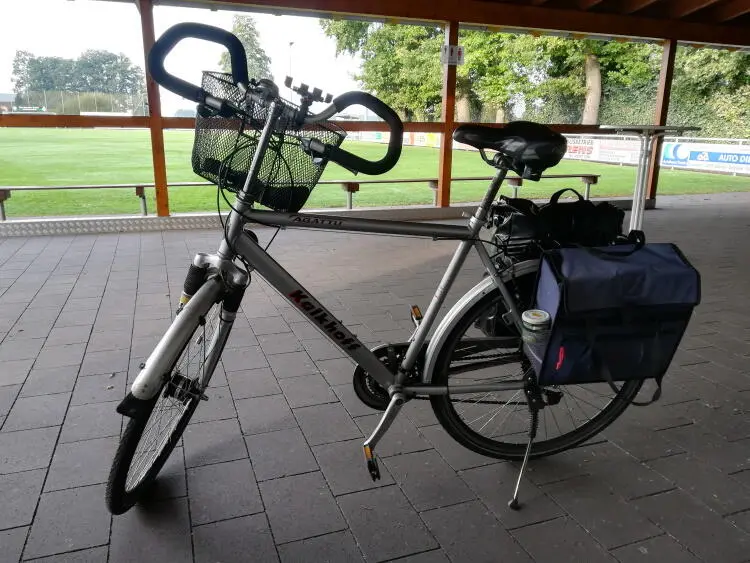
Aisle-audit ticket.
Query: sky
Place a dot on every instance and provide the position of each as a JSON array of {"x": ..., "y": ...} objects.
[{"x": 70, "y": 27}]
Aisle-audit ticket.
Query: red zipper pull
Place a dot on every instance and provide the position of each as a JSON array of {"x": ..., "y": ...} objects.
[{"x": 560, "y": 358}]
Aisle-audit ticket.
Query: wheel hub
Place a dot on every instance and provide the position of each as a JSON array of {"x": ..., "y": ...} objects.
[{"x": 181, "y": 388}]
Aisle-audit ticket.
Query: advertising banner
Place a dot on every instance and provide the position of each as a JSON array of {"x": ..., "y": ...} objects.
[{"x": 693, "y": 155}]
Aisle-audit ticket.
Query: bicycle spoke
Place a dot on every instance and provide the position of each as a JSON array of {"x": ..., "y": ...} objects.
[
  {"x": 173, "y": 402},
  {"x": 570, "y": 414},
  {"x": 510, "y": 412},
  {"x": 554, "y": 418}
]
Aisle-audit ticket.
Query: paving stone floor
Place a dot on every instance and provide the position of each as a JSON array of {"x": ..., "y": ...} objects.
[{"x": 270, "y": 468}]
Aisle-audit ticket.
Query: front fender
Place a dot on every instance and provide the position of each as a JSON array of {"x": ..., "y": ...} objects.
[
  {"x": 150, "y": 379},
  {"x": 463, "y": 305}
]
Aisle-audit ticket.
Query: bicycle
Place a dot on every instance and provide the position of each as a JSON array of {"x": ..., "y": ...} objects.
[{"x": 473, "y": 369}]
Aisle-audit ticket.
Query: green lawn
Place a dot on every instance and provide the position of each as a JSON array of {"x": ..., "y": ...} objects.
[{"x": 105, "y": 156}]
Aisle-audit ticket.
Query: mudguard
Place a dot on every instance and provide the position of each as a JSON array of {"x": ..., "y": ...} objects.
[{"x": 462, "y": 306}]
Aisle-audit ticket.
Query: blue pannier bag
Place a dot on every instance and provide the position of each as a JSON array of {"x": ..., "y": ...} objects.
[{"x": 617, "y": 313}]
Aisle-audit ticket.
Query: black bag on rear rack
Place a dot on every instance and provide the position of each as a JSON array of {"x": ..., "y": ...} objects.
[
  {"x": 618, "y": 313},
  {"x": 580, "y": 221},
  {"x": 560, "y": 223}
]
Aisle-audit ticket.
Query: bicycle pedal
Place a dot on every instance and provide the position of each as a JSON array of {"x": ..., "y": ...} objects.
[
  {"x": 204, "y": 397},
  {"x": 372, "y": 464},
  {"x": 416, "y": 315}
]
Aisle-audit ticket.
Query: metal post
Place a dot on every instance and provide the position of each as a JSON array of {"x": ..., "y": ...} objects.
[
  {"x": 4, "y": 194},
  {"x": 139, "y": 191},
  {"x": 515, "y": 183},
  {"x": 587, "y": 181},
  {"x": 350, "y": 188},
  {"x": 636, "y": 213},
  {"x": 434, "y": 187}
]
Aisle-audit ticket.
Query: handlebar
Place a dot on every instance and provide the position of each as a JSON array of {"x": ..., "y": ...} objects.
[
  {"x": 354, "y": 162},
  {"x": 181, "y": 31},
  {"x": 163, "y": 46}
]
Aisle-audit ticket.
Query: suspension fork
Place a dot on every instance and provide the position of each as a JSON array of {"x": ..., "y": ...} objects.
[{"x": 227, "y": 314}]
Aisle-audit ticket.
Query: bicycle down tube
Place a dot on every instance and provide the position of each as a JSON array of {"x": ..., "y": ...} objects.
[
  {"x": 316, "y": 312},
  {"x": 281, "y": 280}
]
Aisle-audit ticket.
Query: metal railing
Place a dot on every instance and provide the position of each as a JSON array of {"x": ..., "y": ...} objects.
[{"x": 349, "y": 187}]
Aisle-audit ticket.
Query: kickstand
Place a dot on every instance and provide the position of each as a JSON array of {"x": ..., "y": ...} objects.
[
  {"x": 534, "y": 409},
  {"x": 397, "y": 401}
]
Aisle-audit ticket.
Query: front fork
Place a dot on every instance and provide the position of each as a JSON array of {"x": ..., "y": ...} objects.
[{"x": 210, "y": 280}]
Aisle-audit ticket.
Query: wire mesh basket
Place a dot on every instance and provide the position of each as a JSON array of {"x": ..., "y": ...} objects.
[{"x": 224, "y": 148}]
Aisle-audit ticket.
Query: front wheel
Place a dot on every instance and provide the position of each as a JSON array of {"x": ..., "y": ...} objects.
[
  {"x": 496, "y": 423},
  {"x": 150, "y": 437}
]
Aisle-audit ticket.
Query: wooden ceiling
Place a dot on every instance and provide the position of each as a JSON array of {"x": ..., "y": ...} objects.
[
  {"x": 722, "y": 21},
  {"x": 711, "y": 22},
  {"x": 716, "y": 12}
]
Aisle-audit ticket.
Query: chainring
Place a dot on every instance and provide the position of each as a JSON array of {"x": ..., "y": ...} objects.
[{"x": 367, "y": 389}]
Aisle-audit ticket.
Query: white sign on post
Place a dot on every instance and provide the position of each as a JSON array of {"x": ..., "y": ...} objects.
[{"x": 452, "y": 55}]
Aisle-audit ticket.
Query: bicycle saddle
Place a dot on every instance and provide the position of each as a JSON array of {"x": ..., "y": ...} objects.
[{"x": 530, "y": 147}]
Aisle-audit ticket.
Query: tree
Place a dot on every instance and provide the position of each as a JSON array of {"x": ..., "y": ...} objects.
[
  {"x": 258, "y": 62},
  {"x": 41, "y": 73},
  {"x": 400, "y": 64},
  {"x": 103, "y": 71},
  {"x": 499, "y": 69},
  {"x": 93, "y": 71},
  {"x": 581, "y": 70},
  {"x": 705, "y": 71},
  {"x": 549, "y": 79},
  {"x": 20, "y": 77},
  {"x": 710, "y": 90}
]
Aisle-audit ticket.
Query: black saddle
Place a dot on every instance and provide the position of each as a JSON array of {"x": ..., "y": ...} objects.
[{"x": 530, "y": 147}]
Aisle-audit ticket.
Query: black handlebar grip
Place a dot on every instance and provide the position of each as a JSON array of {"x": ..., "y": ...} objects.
[
  {"x": 181, "y": 31},
  {"x": 354, "y": 162}
]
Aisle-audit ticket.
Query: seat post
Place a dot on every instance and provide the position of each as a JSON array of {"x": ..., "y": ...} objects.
[{"x": 480, "y": 217}]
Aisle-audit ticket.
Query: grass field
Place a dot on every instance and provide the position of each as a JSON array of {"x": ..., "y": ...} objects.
[{"x": 99, "y": 156}]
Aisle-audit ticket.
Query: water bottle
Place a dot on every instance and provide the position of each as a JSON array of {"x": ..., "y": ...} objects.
[{"x": 535, "y": 335}]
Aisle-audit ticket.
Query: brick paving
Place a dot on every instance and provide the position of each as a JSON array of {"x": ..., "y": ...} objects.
[{"x": 270, "y": 468}]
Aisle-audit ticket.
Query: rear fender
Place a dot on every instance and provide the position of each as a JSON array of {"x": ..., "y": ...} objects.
[{"x": 462, "y": 306}]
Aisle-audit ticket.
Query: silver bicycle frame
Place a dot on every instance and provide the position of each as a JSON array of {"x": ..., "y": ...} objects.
[
  {"x": 321, "y": 317},
  {"x": 238, "y": 243}
]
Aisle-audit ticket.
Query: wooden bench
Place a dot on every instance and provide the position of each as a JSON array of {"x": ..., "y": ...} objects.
[
  {"x": 514, "y": 182},
  {"x": 5, "y": 192},
  {"x": 349, "y": 187}
]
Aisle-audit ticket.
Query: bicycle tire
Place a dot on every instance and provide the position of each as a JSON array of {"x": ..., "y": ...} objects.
[
  {"x": 448, "y": 417},
  {"x": 123, "y": 493}
]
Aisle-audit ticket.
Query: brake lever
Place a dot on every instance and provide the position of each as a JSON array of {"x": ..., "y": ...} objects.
[{"x": 316, "y": 149}]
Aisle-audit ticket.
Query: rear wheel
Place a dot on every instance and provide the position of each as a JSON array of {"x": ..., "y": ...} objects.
[
  {"x": 150, "y": 437},
  {"x": 496, "y": 423}
]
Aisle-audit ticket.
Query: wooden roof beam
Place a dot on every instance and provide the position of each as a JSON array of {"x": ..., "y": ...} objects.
[
  {"x": 494, "y": 14},
  {"x": 632, "y": 6},
  {"x": 586, "y": 4},
  {"x": 728, "y": 11},
  {"x": 681, "y": 8}
]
